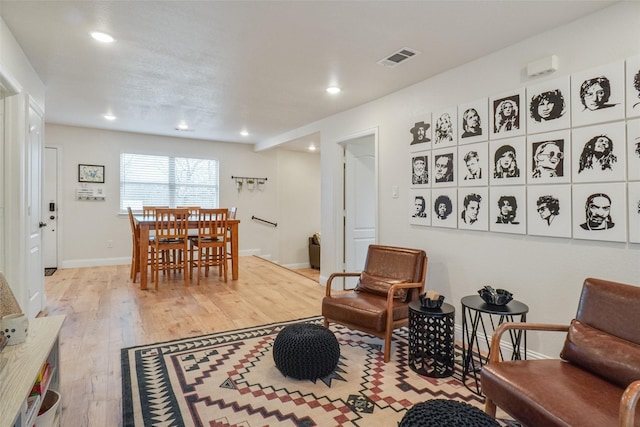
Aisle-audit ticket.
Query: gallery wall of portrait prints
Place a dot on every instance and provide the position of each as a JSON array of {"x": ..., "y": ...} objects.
[{"x": 559, "y": 158}]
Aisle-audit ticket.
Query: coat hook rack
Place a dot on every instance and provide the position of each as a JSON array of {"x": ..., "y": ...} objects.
[
  {"x": 250, "y": 181},
  {"x": 245, "y": 178}
]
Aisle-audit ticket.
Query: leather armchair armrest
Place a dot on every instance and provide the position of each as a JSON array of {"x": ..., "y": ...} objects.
[
  {"x": 334, "y": 275},
  {"x": 628, "y": 404},
  {"x": 523, "y": 326},
  {"x": 392, "y": 291}
]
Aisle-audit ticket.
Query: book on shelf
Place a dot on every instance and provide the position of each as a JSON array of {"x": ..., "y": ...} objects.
[{"x": 44, "y": 376}]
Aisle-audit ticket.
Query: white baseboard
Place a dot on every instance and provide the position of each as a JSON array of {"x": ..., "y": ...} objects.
[
  {"x": 505, "y": 345},
  {"x": 297, "y": 265},
  {"x": 94, "y": 262}
]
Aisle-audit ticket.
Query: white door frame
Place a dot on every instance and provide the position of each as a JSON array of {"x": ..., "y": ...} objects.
[{"x": 58, "y": 212}]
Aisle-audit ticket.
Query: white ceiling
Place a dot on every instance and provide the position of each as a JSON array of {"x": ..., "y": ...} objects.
[{"x": 263, "y": 66}]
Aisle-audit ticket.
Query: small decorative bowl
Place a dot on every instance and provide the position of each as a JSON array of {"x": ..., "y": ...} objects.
[
  {"x": 427, "y": 303},
  {"x": 495, "y": 296}
]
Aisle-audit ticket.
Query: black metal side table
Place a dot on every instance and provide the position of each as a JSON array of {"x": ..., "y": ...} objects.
[
  {"x": 473, "y": 322},
  {"x": 431, "y": 340}
]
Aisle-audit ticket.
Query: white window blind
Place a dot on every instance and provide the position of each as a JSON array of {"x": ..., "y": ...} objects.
[{"x": 148, "y": 180}]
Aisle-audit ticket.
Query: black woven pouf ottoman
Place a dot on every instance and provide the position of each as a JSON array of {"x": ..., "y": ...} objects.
[
  {"x": 449, "y": 413},
  {"x": 305, "y": 351}
]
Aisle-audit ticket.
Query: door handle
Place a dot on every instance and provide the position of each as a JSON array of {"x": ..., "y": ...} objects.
[
  {"x": 52, "y": 217},
  {"x": 43, "y": 224}
]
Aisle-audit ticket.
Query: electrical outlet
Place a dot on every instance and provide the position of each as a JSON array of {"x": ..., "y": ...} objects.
[{"x": 109, "y": 243}]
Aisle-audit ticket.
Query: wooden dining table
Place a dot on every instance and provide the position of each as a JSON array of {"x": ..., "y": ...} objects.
[{"x": 146, "y": 223}]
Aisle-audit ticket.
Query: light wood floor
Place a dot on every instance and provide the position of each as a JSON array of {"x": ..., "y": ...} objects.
[{"x": 106, "y": 312}]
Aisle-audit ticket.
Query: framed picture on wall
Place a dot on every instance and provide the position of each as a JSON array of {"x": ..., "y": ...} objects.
[
  {"x": 421, "y": 133},
  {"x": 420, "y": 206},
  {"x": 548, "y": 106},
  {"x": 444, "y": 207},
  {"x": 444, "y": 167},
  {"x": 597, "y": 95},
  {"x": 420, "y": 169},
  {"x": 634, "y": 211},
  {"x": 473, "y": 122},
  {"x": 473, "y": 165},
  {"x": 633, "y": 86},
  {"x": 549, "y": 210},
  {"x": 91, "y": 173},
  {"x": 445, "y": 128},
  {"x": 633, "y": 149},
  {"x": 507, "y": 117},
  {"x": 600, "y": 211},
  {"x": 473, "y": 208},
  {"x": 508, "y": 210},
  {"x": 599, "y": 153},
  {"x": 549, "y": 158},
  {"x": 507, "y": 161}
]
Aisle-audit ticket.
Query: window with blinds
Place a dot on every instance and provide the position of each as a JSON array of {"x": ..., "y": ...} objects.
[{"x": 149, "y": 180}]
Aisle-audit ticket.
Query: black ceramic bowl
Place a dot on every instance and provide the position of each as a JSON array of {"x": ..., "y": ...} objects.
[
  {"x": 495, "y": 296},
  {"x": 431, "y": 304}
]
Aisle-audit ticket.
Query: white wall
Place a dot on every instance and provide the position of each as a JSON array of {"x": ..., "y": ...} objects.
[
  {"x": 85, "y": 226},
  {"x": 545, "y": 273}
]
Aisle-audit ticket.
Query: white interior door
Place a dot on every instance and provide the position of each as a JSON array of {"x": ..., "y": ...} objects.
[
  {"x": 50, "y": 208},
  {"x": 359, "y": 202},
  {"x": 35, "y": 271}
]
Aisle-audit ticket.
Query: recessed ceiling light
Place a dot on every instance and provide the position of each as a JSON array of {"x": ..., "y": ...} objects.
[
  {"x": 102, "y": 37},
  {"x": 182, "y": 126},
  {"x": 109, "y": 117},
  {"x": 244, "y": 133},
  {"x": 312, "y": 147},
  {"x": 333, "y": 89}
]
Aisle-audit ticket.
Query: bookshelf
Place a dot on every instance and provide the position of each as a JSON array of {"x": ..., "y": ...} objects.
[{"x": 19, "y": 368}]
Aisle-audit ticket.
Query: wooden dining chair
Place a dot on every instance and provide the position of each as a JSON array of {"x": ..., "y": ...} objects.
[
  {"x": 232, "y": 215},
  {"x": 135, "y": 241},
  {"x": 150, "y": 211},
  {"x": 171, "y": 234},
  {"x": 209, "y": 248}
]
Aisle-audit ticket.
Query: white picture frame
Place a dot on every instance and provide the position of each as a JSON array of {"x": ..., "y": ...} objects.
[
  {"x": 598, "y": 95},
  {"x": 632, "y": 85},
  {"x": 443, "y": 166},
  {"x": 549, "y": 106},
  {"x": 549, "y": 158},
  {"x": 590, "y": 203},
  {"x": 421, "y": 133},
  {"x": 446, "y": 198},
  {"x": 514, "y": 220},
  {"x": 473, "y": 121},
  {"x": 473, "y": 208},
  {"x": 507, "y": 161},
  {"x": 420, "y": 180},
  {"x": 549, "y": 210},
  {"x": 633, "y": 150},
  {"x": 445, "y": 128},
  {"x": 515, "y": 123},
  {"x": 416, "y": 197},
  {"x": 589, "y": 162},
  {"x": 473, "y": 165},
  {"x": 633, "y": 202}
]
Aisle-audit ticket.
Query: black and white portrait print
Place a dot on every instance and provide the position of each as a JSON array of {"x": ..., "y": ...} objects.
[
  {"x": 599, "y": 153},
  {"x": 633, "y": 86},
  {"x": 473, "y": 168},
  {"x": 548, "y": 106},
  {"x": 473, "y": 209},
  {"x": 444, "y": 165},
  {"x": 508, "y": 210},
  {"x": 548, "y": 156},
  {"x": 473, "y": 123},
  {"x": 507, "y": 115},
  {"x": 508, "y": 161},
  {"x": 420, "y": 206},
  {"x": 444, "y": 207},
  {"x": 420, "y": 168},
  {"x": 445, "y": 126},
  {"x": 600, "y": 212},
  {"x": 597, "y": 95},
  {"x": 549, "y": 210},
  {"x": 633, "y": 189},
  {"x": 633, "y": 149},
  {"x": 421, "y": 133}
]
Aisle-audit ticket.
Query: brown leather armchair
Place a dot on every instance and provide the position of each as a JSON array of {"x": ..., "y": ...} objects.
[
  {"x": 392, "y": 278},
  {"x": 596, "y": 381}
]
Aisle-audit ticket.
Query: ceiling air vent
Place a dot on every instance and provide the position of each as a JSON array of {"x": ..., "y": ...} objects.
[{"x": 397, "y": 57}]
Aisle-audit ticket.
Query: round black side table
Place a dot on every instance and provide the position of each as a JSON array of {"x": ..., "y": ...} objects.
[
  {"x": 476, "y": 327},
  {"x": 431, "y": 340}
]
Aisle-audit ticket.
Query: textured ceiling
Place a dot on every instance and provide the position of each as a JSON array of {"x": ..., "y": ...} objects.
[{"x": 224, "y": 66}]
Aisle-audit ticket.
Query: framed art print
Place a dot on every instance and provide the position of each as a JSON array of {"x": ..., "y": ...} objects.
[
  {"x": 633, "y": 86},
  {"x": 473, "y": 122},
  {"x": 597, "y": 95},
  {"x": 420, "y": 133},
  {"x": 444, "y": 207},
  {"x": 599, "y": 153},
  {"x": 507, "y": 117},
  {"x": 548, "y": 106},
  {"x": 633, "y": 188},
  {"x": 549, "y": 210},
  {"x": 508, "y": 210},
  {"x": 420, "y": 169},
  {"x": 444, "y": 167},
  {"x": 473, "y": 208},
  {"x": 420, "y": 206},
  {"x": 473, "y": 165},
  {"x": 600, "y": 211},
  {"x": 633, "y": 149},
  {"x": 549, "y": 158},
  {"x": 507, "y": 161},
  {"x": 445, "y": 128},
  {"x": 91, "y": 173}
]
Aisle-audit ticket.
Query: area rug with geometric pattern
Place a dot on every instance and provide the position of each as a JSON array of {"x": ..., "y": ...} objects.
[{"x": 230, "y": 379}]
